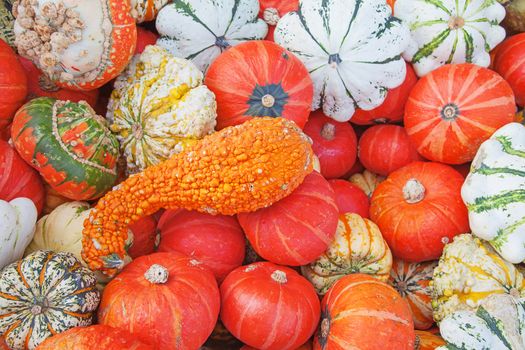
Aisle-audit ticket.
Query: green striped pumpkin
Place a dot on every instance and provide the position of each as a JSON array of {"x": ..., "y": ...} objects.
[
  {"x": 7, "y": 21},
  {"x": 69, "y": 145},
  {"x": 497, "y": 324},
  {"x": 446, "y": 32},
  {"x": 44, "y": 294},
  {"x": 494, "y": 192}
]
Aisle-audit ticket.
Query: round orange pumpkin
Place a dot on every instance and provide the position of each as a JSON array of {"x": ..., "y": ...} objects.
[
  {"x": 509, "y": 61},
  {"x": 419, "y": 209},
  {"x": 456, "y": 107},
  {"x": 427, "y": 341},
  {"x": 257, "y": 79},
  {"x": 13, "y": 84},
  {"x": 97, "y": 336},
  {"x": 165, "y": 299},
  {"x": 361, "y": 312},
  {"x": 298, "y": 228}
]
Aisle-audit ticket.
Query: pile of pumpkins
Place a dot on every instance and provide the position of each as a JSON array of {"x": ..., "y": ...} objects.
[{"x": 262, "y": 174}]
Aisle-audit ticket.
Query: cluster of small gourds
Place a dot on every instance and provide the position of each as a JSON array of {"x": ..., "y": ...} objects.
[{"x": 262, "y": 174}]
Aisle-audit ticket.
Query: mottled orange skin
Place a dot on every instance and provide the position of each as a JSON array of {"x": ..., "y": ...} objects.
[{"x": 238, "y": 169}]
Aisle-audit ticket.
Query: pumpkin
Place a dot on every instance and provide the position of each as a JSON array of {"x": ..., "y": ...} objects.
[
  {"x": 7, "y": 21},
  {"x": 497, "y": 323},
  {"x": 190, "y": 29},
  {"x": 3, "y": 345},
  {"x": 361, "y": 312},
  {"x": 17, "y": 226},
  {"x": 468, "y": 272},
  {"x": 412, "y": 282},
  {"x": 79, "y": 45},
  {"x": 146, "y": 237},
  {"x": 17, "y": 179},
  {"x": 42, "y": 295},
  {"x": 509, "y": 62},
  {"x": 418, "y": 209},
  {"x": 68, "y": 144},
  {"x": 353, "y": 58},
  {"x": 256, "y": 79},
  {"x": 146, "y": 10},
  {"x": 452, "y": 110},
  {"x": 271, "y": 12},
  {"x": 240, "y": 169},
  {"x": 385, "y": 148},
  {"x": 358, "y": 247},
  {"x": 52, "y": 199},
  {"x": 427, "y": 341},
  {"x": 444, "y": 32},
  {"x": 83, "y": 338},
  {"x": 39, "y": 85},
  {"x": 269, "y": 307},
  {"x": 298, "y": 228},
  {"x": 494, "y": 192},
  {"x": 350, "y": 198},
  {"x": 514, "y": 21},
  {"x": 13, "y": 84},
  {"x": 158, "y": 107},
  {"x": 334, "y": 143},
  {"x": 167, "y": 300},
  {"x": 215, "y": 241},
  {"x": 5, "y": 134},
  {"x": 393, "y": 108},
  {"x": 144, "y": 38},
  {"x": 367, "y": 181}
]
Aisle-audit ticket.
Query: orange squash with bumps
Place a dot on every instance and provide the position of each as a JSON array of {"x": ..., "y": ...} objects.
[{"x": 238, "y": 169}]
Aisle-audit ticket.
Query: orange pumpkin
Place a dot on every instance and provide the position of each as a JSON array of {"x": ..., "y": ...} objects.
[
  {"x": 13, "y": 84},
  {"x": 456, "y": 107},
  {"x": 427, "y": 341},
  {"x": 145, "y": 237},
  {"x": 509, "y": 61},
  {"x": 361, "y": 312},
  {"x": 165, "y": 299},
  {"x": 419, "y": 209}
]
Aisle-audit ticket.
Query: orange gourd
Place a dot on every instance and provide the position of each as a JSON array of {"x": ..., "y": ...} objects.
[
  {"x": 427, "y": 341},
  {"x": 13, "y": 84},
  {"x": 238, "y": 169}
]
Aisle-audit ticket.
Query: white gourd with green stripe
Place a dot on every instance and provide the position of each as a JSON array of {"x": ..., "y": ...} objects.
[
  {"x": 199, "y": 30},
  {"x": 450, "y": 31},
  {"x": 352, "y": 49},
  {"x": 494, "y": 192},
  {"x": 497, "y": 324}
]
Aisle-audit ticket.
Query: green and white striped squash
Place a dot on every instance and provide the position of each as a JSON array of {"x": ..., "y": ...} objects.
[
  {"x": 445, "y": 31},
  {"x": 7, "y": 21},
  {"x": 352, "y": 49},
  {"x": 468, "y": 272},
  {"x": 497, "y": 324},
  {"x": 199, "y": 30},
  {"x": 44, "y": 294},
  {"x": 494, "y": 192}
]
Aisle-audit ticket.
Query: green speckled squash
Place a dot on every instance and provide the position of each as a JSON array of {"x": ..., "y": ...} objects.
[
  {"x": 6, "y": 22},
  {"x": 69, "y": 145},
  {"x": 42, "y": 295}
]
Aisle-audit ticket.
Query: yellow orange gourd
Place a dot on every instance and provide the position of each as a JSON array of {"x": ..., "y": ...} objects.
[{"x": 238, "y": 169}]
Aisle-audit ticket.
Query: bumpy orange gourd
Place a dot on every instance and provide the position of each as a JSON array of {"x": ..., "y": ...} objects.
[{"x": 238, "y": 169}]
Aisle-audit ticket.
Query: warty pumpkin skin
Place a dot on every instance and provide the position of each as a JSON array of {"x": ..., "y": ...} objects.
[
  {"x": 7, "y": 20},
  {"x": 238, "y": 169},
  {"x": 44, "y": 294},
  {"x": 146, "y": 10},
  {"x": 168, "y": 300}
]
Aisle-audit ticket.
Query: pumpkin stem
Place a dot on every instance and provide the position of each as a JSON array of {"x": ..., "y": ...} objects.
[
  {"x": 268, "y": 101},
  {"x": 328, "y": 131},
  {"x": 413, "y": 191},
  {"x": 36, "y": 310},
  {"x": 515, "y": 293},
  {"x": 271, "y": 16},
  {"x": 157, "y": 274},
  {"x": 450, "y": 112},
  {"x": 325, "y": 328},
  {"x": 47, "y": 84},
  {"x": 279, "y": 276},
  {"x": 456, "y": 22}
]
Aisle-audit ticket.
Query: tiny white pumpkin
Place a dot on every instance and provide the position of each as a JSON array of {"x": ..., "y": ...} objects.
[
  {"x": 351, "y": 48},
  {"x": 17, "y": 227}
]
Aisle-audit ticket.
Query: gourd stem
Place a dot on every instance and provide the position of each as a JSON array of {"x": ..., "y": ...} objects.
[
  {"x": 413, "y": 191},
  {"x": 328, "y": 131},
  {"x": 268, "y": 101},
  {"x": 325, "y": 328},
  {"x": 456, "y": 22},
  {"x": 157, "y": 274},
  {"x": 279, "y": 276},
  {"x": 271, "y": 16}
]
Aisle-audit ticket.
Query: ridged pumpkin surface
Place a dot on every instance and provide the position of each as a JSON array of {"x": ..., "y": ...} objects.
[
  {"x": 13, "y": 83},
  {"x": 238, "y": 169}
]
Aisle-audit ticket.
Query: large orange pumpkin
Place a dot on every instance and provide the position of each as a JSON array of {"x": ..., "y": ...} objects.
[
  {"x": 272, "y": 10},
  {"x": 419, "y": 209},
  {"x": 98, "y": 337},
  {"x": 257, "y": 79},
  {"x": 427, "y": 341},
  {"x": 509, "y": 61},
  {"x": 166, "y": 299},
  {"x": 456, "y": 107},
  {"x": 298, "y": 228},
  {"x": 269, "y": 307},
  {"x": 361, "y": 312},
  {"x": 13, "y": 84}
]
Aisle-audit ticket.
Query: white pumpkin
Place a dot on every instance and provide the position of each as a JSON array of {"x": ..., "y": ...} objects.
[
  {"x": 444, "y": 31},
  {"x": 17, "y": 226},
  {"x": 494, "y": 192},
  {"x": 199, "y": 30},
  {"x": 351, "y": 48}
]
